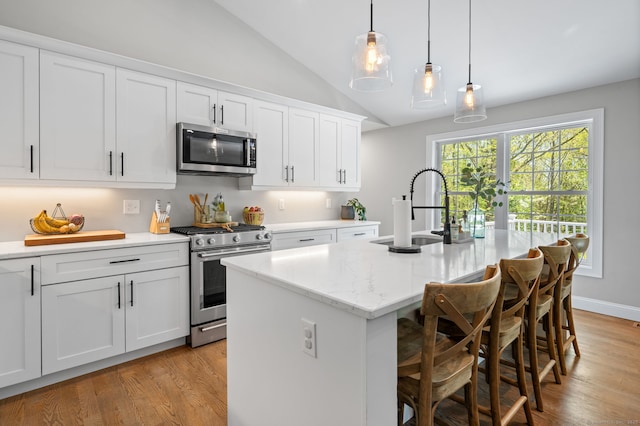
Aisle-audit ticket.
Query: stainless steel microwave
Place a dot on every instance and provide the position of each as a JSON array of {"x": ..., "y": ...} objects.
[{"x": 206, "y": 150}]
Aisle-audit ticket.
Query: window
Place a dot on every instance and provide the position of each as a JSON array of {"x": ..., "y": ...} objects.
[{"x": 553, "y": 170}]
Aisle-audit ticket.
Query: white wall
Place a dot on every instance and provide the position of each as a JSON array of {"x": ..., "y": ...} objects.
[{"x": 392, "y": 156}]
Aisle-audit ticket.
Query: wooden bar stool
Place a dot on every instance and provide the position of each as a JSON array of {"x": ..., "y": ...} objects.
[
  {"x": 563, "y": 312},
  {"x": 520, "y": 278},
  {"x": 540, "y": 311},
  {"x": 432, "y": 366}
]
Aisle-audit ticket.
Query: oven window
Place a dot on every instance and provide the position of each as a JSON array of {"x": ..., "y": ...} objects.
[
  {"x": 205, "y": 148},
  {"x": 214, "y": 282}
]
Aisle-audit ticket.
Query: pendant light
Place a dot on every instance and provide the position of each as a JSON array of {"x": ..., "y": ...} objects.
[
  {"x": 469, "y": 101},
  {"x": 428, "y": 83},
  {"x": 371, "y": 67}
]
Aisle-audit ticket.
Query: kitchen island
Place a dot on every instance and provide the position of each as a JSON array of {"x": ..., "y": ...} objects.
[{"x": 312, "y": 331}]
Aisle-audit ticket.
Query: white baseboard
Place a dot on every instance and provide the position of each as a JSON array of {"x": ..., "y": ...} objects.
[{"x": 606, "y": 308}]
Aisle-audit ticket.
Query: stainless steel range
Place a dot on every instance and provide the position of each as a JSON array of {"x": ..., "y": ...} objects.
[{"x": 208, "y": 275}]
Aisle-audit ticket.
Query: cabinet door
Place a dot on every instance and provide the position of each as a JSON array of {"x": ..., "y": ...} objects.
[
  {"x": 146, "y": 128},
  {"x": 157, "y": 306},
  {"x": 82, "y": 322},
  {"x": 19, "y": 111},
  {"x": 303, "y": 147},
  {"x": 272, "y": 129},
  {"x": 235, "y": 112},
  {"x": 77, "y": 118},
  {"x": 350, "y": 154},
  {"x": 20, "y": 319},
  {"x": 196, "y": 104},
  {"x": 329, "y": 164}
]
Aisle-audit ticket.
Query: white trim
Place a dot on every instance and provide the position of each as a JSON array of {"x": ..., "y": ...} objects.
[
  {"x": 606, "y": 308},
  {"x": 595, "y": 216}
]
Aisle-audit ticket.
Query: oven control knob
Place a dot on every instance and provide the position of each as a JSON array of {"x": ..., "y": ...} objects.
[
  {"x": 211, "y": 241},
  {"x": 259, "y": 236},
  {"x": 267, "y": 236},
  {"x": 236, "y": 238},
  {"x": 199, "y": 242}
]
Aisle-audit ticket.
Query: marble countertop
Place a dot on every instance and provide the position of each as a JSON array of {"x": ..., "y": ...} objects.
[
  {"x": 17, "y": 249},
  {"x": 370, "y": 281},
  {"x": 315, "y": 225}
]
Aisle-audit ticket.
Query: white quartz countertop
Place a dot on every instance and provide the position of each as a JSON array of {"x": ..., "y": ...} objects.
[
  {"x": 17, "y": 249},
  {"x": 318, "y": 224},
  {"x": 369, "y": 280}
]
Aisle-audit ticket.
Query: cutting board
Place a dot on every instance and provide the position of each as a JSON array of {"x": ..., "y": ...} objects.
[{"x": 78, "y": 237}]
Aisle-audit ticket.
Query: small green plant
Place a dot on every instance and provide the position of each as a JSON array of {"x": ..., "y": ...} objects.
[
  {"x": 358, "y": 208},
  {"x": 484, "y": 185}
]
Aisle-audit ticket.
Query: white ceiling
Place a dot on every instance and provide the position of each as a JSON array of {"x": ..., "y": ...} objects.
[{"x": 520, "y": 50}]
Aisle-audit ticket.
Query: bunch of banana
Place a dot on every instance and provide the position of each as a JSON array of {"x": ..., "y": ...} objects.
[{"x": 45, "y": 224}]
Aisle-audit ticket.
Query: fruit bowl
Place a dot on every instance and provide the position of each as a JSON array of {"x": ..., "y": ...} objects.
[
  {"x": 47, "y": 225},
  {"x": 253, "y": 218}
]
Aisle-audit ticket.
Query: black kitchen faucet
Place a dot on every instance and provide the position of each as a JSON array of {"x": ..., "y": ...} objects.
[{"x": 446, "y": 233}]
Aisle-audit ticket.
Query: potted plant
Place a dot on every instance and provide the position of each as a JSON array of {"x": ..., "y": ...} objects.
[
  {"x": 358, "y": 208},
  {"x": 484, "y": 186}
]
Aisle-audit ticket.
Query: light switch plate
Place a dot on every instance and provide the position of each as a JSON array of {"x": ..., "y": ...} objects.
[{"x": 131, "y": 207}]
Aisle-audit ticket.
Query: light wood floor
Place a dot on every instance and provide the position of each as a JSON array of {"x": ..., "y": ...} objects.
[{"x": 188, "y": 387}]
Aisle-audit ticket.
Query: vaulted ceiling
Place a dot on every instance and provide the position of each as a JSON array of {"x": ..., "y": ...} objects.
[{"x": 520, "y": 50}]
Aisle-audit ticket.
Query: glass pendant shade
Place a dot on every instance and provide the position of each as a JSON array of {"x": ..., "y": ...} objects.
[
  {"x": 470, "y": 104},
  {"x": 371, "y": 67},
  {"x": 428, "y": 87}
]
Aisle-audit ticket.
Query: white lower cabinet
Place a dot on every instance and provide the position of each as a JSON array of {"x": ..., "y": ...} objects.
[
  {"x": 103, "y": 303},
  {"x": 357, "y": 232},
  {"x": 20, "y": 320},
  {"x": 286, "y": 240},
  {"x": 89, "y": 320}
]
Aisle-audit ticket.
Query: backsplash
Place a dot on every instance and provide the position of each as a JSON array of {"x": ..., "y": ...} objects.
[{"x": 102, "y": 207}]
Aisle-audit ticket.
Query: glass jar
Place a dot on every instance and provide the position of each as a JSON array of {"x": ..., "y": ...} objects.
[{"x": 476, "y": 223}]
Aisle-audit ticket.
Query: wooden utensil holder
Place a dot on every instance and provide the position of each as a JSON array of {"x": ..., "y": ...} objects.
[{"x": 156, "y": 227}]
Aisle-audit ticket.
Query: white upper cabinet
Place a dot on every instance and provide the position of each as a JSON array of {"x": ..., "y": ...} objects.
[
  {"x": 304, "y": 135},
  {"x": 210, "y": 107},
  {"x": 19, "y": 111},
  {"x": 272, "y": 127},
  {"x": 146, "y": 128},
  {"x": 349, "y": 159},
  {"x": 339, "y": 153},
  {"x": 77, "y": 119}
]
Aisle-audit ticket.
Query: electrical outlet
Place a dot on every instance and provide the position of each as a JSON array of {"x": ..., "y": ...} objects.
[
  {"x": 309, "y": 337},
  {"x": 131, "y": 207},
  {"x": 327, "y": 203},
  {"x": 281, "y": 203}
]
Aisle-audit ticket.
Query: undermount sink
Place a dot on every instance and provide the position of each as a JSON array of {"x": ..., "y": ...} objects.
[{"x": 416, "y": 240}]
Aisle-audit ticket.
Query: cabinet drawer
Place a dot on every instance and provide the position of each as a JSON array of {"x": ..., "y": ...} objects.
[
  {"x": 100, "y": 263},
  {"x": 287, "y": 240},
  {"x": 357, "y": 232}
]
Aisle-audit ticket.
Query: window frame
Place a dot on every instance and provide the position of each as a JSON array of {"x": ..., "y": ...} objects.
[{"x": 593, "y": 118}]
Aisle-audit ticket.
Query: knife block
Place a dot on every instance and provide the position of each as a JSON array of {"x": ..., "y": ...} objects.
[{"x": 156, "y": 227}]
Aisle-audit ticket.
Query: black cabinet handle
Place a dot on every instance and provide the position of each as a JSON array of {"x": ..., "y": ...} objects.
[
  {"x": 131, "y": 292},
  {"x": 286, "y": 169},
  {"x": 119, "y": 305},
  {"x": 124, "y": 261},
  {"x": 306, "y": 239},
  {"x": 221, "y": 114},
  {"x": 293, "y": 174},
  {"x": 32, "y": 281},
  {"x": 122, "y": 163},
  {"x": 110, "y": 163},
  {"x": 31, "y": 157},
  {"x": 214, "y": 113}
]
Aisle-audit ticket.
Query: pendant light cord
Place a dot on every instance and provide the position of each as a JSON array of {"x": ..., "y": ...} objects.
[
  {"x": 371, "y": 15},
  {"x": 429, "y": 31},
  {"x": 469, "y": 41}
]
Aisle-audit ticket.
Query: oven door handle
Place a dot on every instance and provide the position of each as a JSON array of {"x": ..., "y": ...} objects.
[
  {"x": 243, "y": 251},
  {"x": 213, "y": 327}
]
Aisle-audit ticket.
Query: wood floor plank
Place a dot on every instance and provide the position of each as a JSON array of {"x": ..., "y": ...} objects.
[{"x": 185, "y": 386}]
